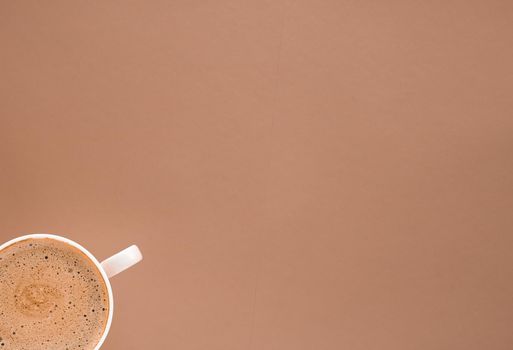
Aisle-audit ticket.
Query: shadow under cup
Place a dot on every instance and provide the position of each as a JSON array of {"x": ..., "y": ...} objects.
[{"x": 55, "y": 295}]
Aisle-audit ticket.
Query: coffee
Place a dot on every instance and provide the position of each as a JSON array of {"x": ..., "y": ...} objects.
[{"x": 52, "y": 296}]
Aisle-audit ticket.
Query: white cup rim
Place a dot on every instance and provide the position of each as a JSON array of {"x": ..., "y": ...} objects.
[{"x": 90, "y": 256}]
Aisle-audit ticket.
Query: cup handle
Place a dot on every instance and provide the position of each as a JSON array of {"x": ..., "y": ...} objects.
[{"x": 121, "y": 261}]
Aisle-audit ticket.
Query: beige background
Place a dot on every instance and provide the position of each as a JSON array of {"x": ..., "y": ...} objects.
[{"x": 299, "y": 174}]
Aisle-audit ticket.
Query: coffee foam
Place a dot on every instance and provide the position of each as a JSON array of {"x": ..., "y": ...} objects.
[{"x": 52, "y": 297}]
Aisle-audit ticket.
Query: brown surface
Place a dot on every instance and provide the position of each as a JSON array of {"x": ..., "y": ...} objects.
[{"x": 300, "y": 175}]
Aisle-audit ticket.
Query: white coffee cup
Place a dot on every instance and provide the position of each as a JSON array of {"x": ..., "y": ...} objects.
[{"x": 108, "y": 268}]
